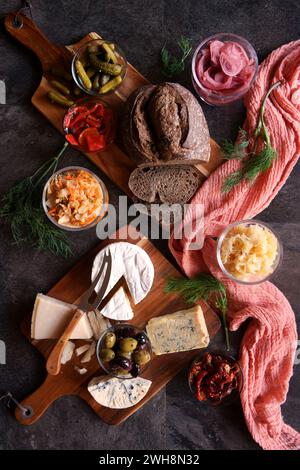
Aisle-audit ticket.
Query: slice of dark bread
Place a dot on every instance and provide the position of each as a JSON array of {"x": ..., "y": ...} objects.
[{"x": 165, "y": 184}]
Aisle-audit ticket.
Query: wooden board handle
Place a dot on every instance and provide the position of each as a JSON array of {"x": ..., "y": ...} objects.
[
  {"x": 54, "y": 360},
  {"x": 32, "y": 37},
  {"x": 38, "y": 402}
]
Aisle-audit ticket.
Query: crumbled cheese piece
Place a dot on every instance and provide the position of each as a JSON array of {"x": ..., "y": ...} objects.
[{"x": 67, "y": 352}]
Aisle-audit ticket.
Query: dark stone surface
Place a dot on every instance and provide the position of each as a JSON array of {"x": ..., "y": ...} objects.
[{"x": 172, "y": 420}]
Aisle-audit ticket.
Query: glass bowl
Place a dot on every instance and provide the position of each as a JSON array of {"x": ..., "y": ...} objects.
[
  {"x": 235, "y": 393},
  {"x": 103, "y": 208},
  {"x": 128, "y": 331},
  {"x": 250, "y": 280},
  {"x": 82, "y": 54},
  {"x": 217, "y": 98},
  {"x": 105, "y": 125}
]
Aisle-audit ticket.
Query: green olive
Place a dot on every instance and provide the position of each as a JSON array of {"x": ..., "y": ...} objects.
[
  {"x": 107, "y": 355},
  {"x": 110, "y": 340},
  {"x": 128, "y": 344},
  {"x": 122, "y": 372},
  {"x": 141, "y": 357},
  {"x": 127, "y": 354}
]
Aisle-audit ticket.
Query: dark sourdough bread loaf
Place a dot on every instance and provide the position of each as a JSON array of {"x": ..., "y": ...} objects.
[
  {"x": 166, "y": 184},
  {"x": 165, "y": 124}
]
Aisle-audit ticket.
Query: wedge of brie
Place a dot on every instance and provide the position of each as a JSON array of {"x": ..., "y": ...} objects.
[{"x": 118, "y": 308}]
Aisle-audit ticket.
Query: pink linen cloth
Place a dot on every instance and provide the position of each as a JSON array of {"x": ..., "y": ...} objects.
[{"x": 268, "y": 347}]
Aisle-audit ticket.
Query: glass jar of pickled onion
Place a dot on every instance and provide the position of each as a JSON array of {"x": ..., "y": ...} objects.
[{"x": 224, "y": 67}]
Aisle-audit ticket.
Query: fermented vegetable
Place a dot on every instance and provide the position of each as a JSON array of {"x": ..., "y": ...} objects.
[
  {"x": 83, "y": 75},
  {"x": 248, "y": 252}
]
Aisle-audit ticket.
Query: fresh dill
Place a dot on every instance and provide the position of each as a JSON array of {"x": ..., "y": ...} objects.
[
  {"x": 21, "y": 208},
  {"x": 172, "y": 65},
  {"x": 253, "y": 163},
  {"x": 206, "y": 287}
]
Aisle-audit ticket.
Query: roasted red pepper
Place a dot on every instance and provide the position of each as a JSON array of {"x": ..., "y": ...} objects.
[{"x": 90, "y": 128}]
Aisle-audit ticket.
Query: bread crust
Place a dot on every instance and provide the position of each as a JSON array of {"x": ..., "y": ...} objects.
[{"x": 164, "y": 123}]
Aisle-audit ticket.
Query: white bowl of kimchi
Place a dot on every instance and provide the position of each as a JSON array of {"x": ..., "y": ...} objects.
[
  {"x": 74, "y": 198},
  {"x": 249, "y": 251}
]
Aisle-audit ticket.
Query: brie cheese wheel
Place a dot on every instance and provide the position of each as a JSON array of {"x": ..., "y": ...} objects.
[
  {"x": 118, "y": 308},
  {"x": 118, "y": 393},
  {"x": 50, "y": 318},
  {"x": 130, "y": 261}
]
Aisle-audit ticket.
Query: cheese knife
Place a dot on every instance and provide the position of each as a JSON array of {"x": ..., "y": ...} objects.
[{"x": 88, "y": 301}]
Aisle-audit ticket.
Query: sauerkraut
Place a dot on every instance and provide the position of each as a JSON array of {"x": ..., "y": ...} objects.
[
  {"x": 74, "y": 198},
  {"x": 249, "y": 252}
]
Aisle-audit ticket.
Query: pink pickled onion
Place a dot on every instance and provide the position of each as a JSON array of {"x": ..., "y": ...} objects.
[
  {"x": 214, "y": 50},
  {"x": 224, "y": 67}
]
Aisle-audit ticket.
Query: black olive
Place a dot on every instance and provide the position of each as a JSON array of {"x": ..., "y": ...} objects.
[
  {"x": 141, "y": 338},
  {"x": 135, "y": 371},
  {"x": 121, "y": 363},
  {"x": 141, "y": 347},
  {"x": 127, "y": 332}
]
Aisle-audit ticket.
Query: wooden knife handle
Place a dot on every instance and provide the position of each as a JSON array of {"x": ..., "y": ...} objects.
[
  {"x": 53, "y": 364},
  {"x": 32, "y": 37}
]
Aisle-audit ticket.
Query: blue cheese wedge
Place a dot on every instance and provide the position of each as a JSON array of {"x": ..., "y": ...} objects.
[
  {"x": 180, "y": 331},
  {"x": 118, "y": 393}
]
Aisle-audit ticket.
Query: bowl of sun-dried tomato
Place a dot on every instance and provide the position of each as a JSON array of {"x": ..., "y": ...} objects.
[{"x": 215, "y": 378}]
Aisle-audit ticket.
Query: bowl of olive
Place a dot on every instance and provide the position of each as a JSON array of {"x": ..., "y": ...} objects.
[{"x": 124, "y": 351}]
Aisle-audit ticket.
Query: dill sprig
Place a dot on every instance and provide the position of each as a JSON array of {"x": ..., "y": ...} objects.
[
  {"x": 206, "y": 287},
  {"x": 253, "y": 163},
  {"x": 172, "y": 65},
  {"x": 235, "y": 150},
  {"x": 21, "y": 208}
]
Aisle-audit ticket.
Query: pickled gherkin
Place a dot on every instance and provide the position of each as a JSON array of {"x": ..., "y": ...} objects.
[
  {"x": 92, "y": 49},
  {"x": 109, "y": 53},
  {"x": 85, "y": 79},
  {"x": 56, "y": 97},
  {"x": 110, "y": 85},
  {"x": 110, "y": 69},
  {"x": 96, "y": 82},
  {"x": 90, "y": 71},
  {"x": 60, "y": 87}
]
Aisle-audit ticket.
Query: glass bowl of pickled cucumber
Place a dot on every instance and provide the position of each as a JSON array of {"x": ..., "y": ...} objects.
[
  {"x": 99, "y": 67},
  {"x": 124, "y": 351}
]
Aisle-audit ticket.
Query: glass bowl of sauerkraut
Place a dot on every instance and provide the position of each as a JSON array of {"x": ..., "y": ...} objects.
[
  {"x": 75, "y": 199},
  {"x": 249, "y": 251}
]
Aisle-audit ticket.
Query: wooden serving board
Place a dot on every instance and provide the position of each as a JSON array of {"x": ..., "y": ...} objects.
[
  {"x": 113, "y": 162},
  {"x": 161, "y": 369}
]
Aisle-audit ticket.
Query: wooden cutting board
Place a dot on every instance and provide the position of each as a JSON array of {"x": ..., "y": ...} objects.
[
  {"x": 161, "y": 369},
  {"x": 113, "y": 162}
]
